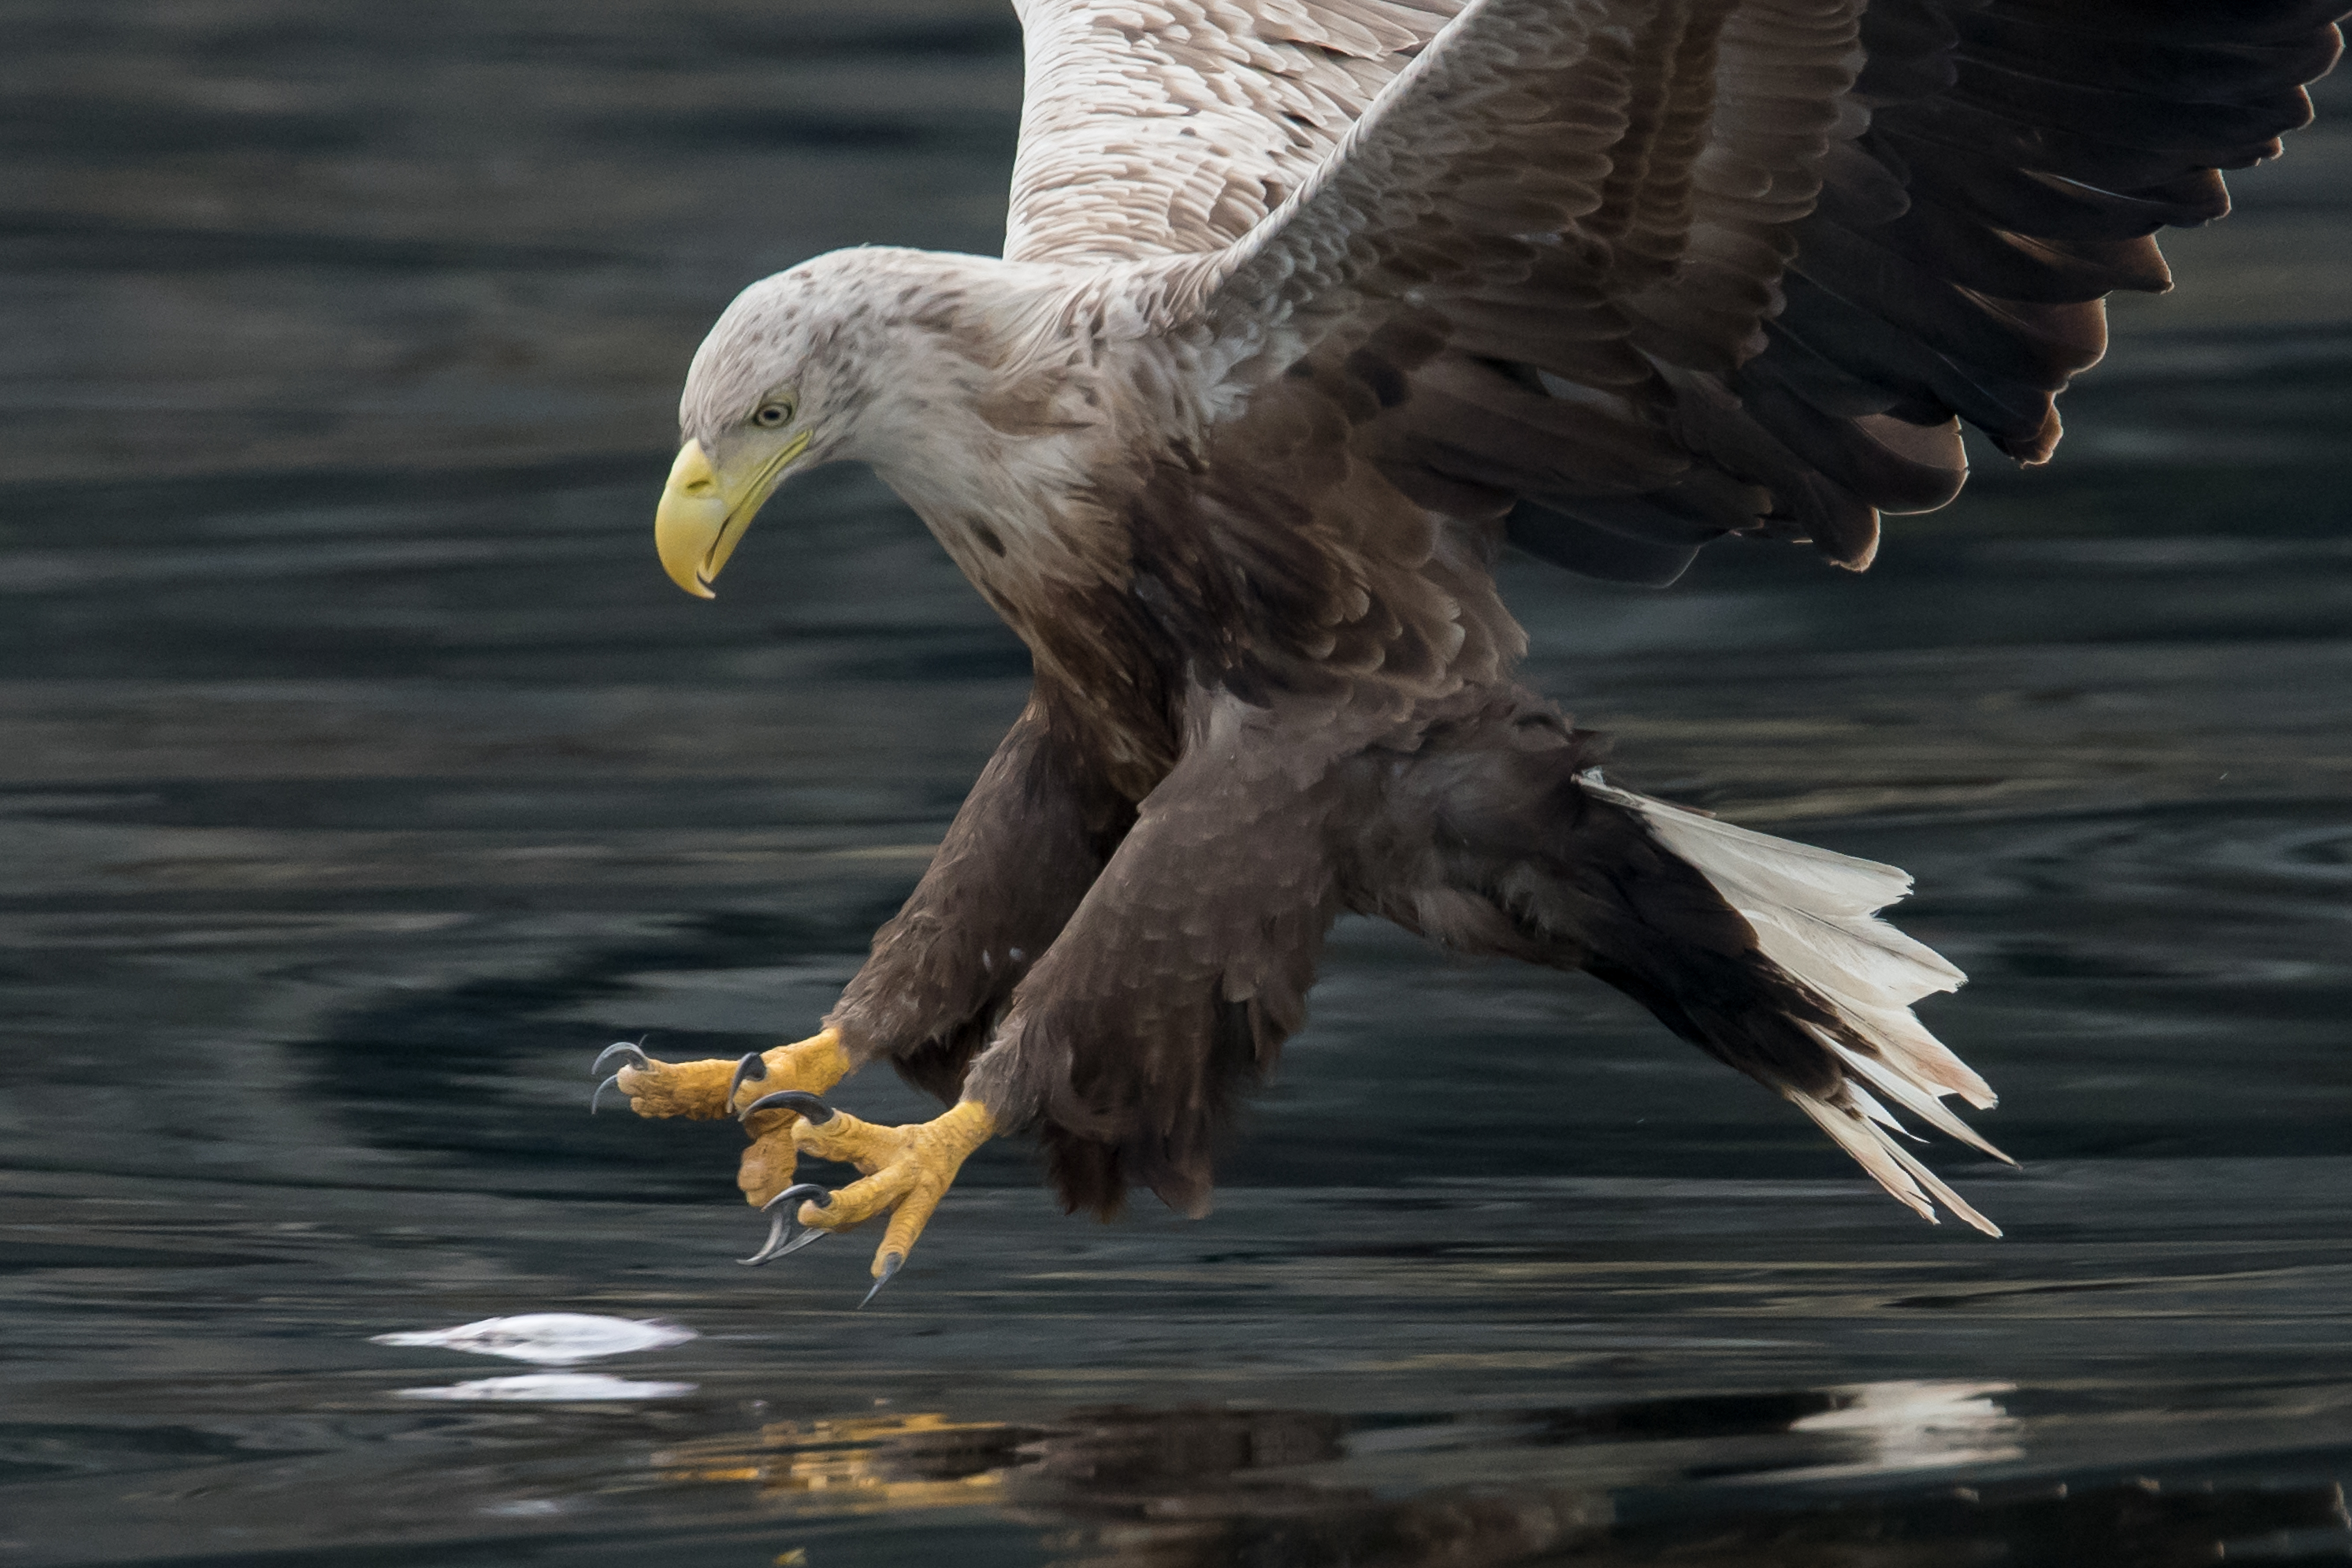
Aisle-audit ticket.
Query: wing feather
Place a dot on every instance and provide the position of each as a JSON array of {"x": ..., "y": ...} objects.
[
  {"x": 1168, "y": 127},
  {"x": 1799, "y": 241}
]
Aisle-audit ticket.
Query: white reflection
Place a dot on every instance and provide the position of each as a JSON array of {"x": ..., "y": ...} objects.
[
  {"x": 549, "y": 1338},
  {"x": 1911, "y": 1424},
  {"x": 552, "y": 1387}
]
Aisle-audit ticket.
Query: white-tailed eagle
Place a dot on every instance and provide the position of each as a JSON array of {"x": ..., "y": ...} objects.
[{"x": 1307, "y": 309}]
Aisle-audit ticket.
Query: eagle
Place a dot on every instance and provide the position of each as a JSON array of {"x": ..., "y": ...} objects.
[{"x": 1307, "y": 309}]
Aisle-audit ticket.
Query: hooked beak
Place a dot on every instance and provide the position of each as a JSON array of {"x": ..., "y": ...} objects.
[{"x": 702, "y": 517}]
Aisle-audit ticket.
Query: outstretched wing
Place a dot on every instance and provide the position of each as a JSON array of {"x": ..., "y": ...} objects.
[
  {"x": 1645, "y": 272},
  {"x": 1163, "y": 127}
]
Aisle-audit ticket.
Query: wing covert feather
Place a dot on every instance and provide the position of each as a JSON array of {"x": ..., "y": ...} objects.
[
  {"x": 1167, "y": 127},
  {"x": 1797, "y": 240}
]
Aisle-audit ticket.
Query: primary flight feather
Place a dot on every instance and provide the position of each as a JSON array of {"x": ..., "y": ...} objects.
[{"x": 1306, "y": 308}]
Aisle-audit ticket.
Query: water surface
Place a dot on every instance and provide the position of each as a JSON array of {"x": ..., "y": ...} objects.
[{"x": 362, "y": 778}]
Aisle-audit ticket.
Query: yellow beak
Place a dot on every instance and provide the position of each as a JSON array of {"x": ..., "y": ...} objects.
[{"x": 702, "y": 518}]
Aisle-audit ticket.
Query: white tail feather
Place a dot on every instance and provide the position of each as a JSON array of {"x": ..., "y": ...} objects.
[
  {"x": 1914, "y": 1098},
  {"x": 1867, "y": 1103},
  {"x": 1815, "y": 913},
  {"x": 1889, "y": 1163}
]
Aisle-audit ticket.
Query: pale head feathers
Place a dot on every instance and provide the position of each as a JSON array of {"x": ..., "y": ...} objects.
[
  {"x": 973, "y": 386},
  {"x": 838, "y": 335}
]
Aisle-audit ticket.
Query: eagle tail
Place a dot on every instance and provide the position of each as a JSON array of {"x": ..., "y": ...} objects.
[{"x": 1814, "y": 913}]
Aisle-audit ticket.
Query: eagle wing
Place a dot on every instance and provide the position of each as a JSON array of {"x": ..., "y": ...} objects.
[
  {"x": 1169, "y": 127},
  {"x": 1640, "y": 273}
]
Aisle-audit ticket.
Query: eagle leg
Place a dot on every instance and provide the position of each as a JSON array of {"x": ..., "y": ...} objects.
[
  {"x": 906, "y": 1170},
  {"x": 717, "y": 1087}
]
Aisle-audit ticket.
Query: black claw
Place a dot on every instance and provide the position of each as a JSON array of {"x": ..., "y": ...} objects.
[
  {"x": 798, "y": 1099},
  {"x": 779, "y": 1222},
  {"x": 811, "y": 1234},
  {"x": 892, "y": 1263},
  {"x": 768, "y": 1248},
  {"x": 752, "y": 1069},
  {"x": 637, "y": 1058}
]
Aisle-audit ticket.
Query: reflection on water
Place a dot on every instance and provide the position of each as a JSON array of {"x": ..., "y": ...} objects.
[
  {"x": 1603, "y": 1369},
  {"x": 344, "y": 721},
  {"x": 1160, "y": 1489},
  {"x": 1200, "y": 1461},
  {"x": 1911, "y": 1426}
]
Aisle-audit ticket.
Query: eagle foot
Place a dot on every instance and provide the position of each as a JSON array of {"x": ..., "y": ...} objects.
[
  {"x": 707, "y": 1090},
  {"x": 907, "y": 1171},
  {"x": 716, "y": 1088}
]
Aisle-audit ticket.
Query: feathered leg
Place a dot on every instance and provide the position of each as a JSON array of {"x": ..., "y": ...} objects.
[
  {"x": 1185, "y": 968},
  {"x": 1030, "y": 839},
  {"x": 1175, "y": 982}
]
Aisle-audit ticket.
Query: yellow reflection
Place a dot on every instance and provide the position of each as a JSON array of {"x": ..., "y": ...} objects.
[{"x": 857, "y": 1464}]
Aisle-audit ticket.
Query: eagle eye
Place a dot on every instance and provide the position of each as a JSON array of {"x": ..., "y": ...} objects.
[{"x": 775, "y": 414}]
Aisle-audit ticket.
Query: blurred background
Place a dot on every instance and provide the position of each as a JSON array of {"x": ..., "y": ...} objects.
[{"x": 361, "y": 776}]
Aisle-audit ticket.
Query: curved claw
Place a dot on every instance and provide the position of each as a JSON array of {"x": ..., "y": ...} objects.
[
  {"x": 632, "y": 1049},
  {"x": 636, "y": 1059},
  {"x": 779, "y": 1222},
  {"x": 752, "y": 1069},
  {"x": 892, "y": 1263},
  {"x": 798, "y": 1099},
  {"x": 803, "y": 1239}
]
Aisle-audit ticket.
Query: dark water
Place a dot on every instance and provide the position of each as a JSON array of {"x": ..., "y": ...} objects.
[{"x": 360, "y": 776}]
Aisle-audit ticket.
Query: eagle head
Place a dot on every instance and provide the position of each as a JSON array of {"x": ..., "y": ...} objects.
[{"x": 874, "y": 354}]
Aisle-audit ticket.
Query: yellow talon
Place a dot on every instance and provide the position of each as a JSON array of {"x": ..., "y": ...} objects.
[
  {"x": 907, "y": 1170},
  {"x": 715, "y": 1088},
  {"x": 815, "y": 1064},
  {"x": 767, "y": 1167},
  {"x": 700, "y": 1090},
  {"x": 697, "y": 1090}
]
